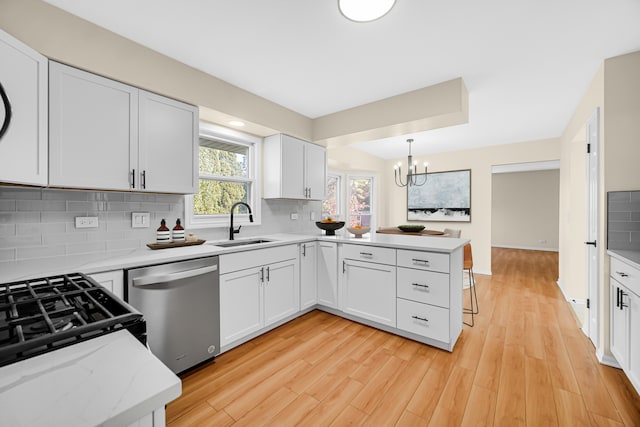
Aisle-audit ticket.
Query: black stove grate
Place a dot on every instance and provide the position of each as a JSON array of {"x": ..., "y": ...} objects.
[{"x": 41, "y": 315}]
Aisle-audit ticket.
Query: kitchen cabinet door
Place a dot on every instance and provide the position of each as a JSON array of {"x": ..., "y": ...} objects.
[
  {"x": 308, "y": 275},
  {"x": 634, "y": 339},
  {"x": 328, "y": 274},
  {"x": 316, "y": 171},
  {"x": 24, "y": 144},
  {"x": 281, "y": 291},
  {"x": 240, "y": 304},
  {"x": 369, "y": 291},
  {"x": 93, "y": 130},
  {"x": 619, "y": 327},
  {"x": 168, "y": 145}
]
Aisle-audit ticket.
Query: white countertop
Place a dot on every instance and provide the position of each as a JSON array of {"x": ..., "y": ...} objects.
[
  {"x": 98, "y": 262},
  {"x": 630, "y": 257},
  {"x": 112, "y": 380}
]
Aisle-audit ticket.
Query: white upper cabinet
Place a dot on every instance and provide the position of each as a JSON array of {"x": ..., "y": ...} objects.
[
  {"x": 294, "y": 169},
  {"x": 23, "y": 113},
  {"x": 93, "y": 130},
  {"x": 168, "y": 151},
  {"x": 111, "y": 136}
]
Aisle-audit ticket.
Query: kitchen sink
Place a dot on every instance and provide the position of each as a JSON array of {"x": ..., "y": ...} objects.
[{"x": 232, "y": 243}]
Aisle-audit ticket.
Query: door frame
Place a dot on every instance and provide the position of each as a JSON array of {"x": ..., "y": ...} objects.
[{"x": 591, "y": 327}]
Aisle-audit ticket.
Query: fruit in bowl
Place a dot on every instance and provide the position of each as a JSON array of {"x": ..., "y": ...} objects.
[{"x": 358, "y": 230}]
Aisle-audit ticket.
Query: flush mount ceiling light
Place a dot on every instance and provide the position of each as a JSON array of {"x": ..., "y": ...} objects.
[
  {"x": 237, "y": 123},
  {"x": 365, "y": 10}
]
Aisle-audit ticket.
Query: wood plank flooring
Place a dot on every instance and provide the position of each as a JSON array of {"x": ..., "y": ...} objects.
[{"x": 525, "y": 363}]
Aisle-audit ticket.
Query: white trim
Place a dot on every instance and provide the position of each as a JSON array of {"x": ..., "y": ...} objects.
[
  {"x": 340, "y": 199},
  {"x": 525, "y": 167},
  {"x": 527, "y": 248},
  {"x": 254, "y": 145}
]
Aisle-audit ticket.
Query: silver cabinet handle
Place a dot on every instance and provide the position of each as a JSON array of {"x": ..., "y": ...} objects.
[
  {"x": 172, "y": 277},
  {"x": 366, "y": 254},
  {"x": 268, "y": 274},
  {"x": 420, "y": 286},
  {"x": 420, "y": 318},
  {"x": 420, "y": 261},
  {"x": 261, "y": 274},
  {"x": 344, "y": 266},
  {"x": 622, "y": 274},
  {"x": 622, "y": 304}
]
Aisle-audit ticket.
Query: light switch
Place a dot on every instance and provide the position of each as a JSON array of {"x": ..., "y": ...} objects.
[
  {"x": 294, "y": 215},
  {"x": 140, "y": 219}
]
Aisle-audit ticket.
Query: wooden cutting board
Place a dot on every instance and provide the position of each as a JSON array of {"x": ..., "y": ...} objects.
[{"x": 424, "y": 232}]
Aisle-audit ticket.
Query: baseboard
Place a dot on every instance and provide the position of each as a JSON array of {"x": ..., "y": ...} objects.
[
  {"x": 608, "y": 360},
  {"x": 527, "y": 248}
]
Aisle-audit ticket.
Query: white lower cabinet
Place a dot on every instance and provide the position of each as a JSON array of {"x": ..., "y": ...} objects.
[
  {"x": 253, "y": 297},
  {"x": 111, "y": 280},
  {"x": 423, "y": 319},
  {"x": 308, "y": 275},
  {"x": 625, "y": 318},
  {"x": 369, "y": 291},
  {"x": 327, "y": 274}
]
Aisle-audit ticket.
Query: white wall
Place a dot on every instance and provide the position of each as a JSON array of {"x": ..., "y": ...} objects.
[{"x": 525, "y": 208}]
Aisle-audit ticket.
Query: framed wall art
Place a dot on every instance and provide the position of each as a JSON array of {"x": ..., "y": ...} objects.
[{"x": 445, "y": 196}]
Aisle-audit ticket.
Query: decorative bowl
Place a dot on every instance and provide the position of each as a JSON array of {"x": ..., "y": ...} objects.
[
  {"x": 411, "y": 228},
  {"x": 358, "y": 232},
  {"x": 330, "y": 227}
]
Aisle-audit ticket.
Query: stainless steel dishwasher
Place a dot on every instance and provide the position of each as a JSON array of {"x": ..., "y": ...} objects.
[{"x": 180, "y": 302}]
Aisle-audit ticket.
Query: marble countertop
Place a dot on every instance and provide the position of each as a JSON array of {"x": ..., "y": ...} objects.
[
  {"x": 112, "y": 380},
  {"x": 630, "y": 257},
  {"x": 99, "y": 262}
]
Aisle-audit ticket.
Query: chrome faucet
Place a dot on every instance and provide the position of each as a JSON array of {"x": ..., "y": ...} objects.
[{"x": 232, "y": 230}]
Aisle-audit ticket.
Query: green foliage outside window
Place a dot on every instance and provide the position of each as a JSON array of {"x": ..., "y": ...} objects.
[{"x": 216, "y": 196}]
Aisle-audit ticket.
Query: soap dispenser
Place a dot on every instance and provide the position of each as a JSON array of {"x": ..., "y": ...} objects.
[
  {"x": 163, "y": 234},
  {"x": 178, "y": 232}
]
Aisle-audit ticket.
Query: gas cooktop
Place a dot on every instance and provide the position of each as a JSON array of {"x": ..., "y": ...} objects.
[{"x": 41, "y": 315}]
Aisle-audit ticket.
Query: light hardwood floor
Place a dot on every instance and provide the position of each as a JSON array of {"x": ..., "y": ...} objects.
[{"x": 525, "y": 362}]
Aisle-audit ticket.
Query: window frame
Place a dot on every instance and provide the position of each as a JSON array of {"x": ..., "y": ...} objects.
[
  {"x": 339, "y": 195},
  {"x": 253, "y": 144},
  {"x": 372, "y": 203}
]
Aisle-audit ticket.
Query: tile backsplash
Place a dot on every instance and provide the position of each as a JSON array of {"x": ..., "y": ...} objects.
[
  {"x": 40, "y": 223},
  {"x": 623, "y": 220}
]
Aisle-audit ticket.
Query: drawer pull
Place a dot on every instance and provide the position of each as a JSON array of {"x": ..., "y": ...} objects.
[
  {"x": 420, "y": 286},
  {"x": 420, "y": 261},
  {"x": 367, "y": 254},
  {"x": 420, "y": 318},
  {"x": 622, "y": 274}
]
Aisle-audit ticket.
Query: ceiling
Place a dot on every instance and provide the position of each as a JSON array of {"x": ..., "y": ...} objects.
[{"x": 526, "y": 64}]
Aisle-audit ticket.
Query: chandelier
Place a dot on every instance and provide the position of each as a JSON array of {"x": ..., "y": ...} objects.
[
  {"x": 413, "y": 177},
  {"x": 365, "y": 10}
]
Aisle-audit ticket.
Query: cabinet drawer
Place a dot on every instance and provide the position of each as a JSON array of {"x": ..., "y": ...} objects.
[
  {"x": 424, "y": 260},
  {"x": 256, "y": 257},
  {"x": 625, "y": 274},
  {"x": 369, "y": 253},
  {"x": 423, "y": 319},
  {"x": 423, "y": 286}
]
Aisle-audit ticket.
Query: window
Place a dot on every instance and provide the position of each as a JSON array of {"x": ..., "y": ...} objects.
[
  {"x": 227, "y": 174},
  {"x": 333, "y": 203},
  {"x": 360, "y": 193}
]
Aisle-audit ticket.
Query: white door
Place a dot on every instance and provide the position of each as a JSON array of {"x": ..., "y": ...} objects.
[
  {"x": 240, "y": 304},
  {"x": 281, "y": 291},
  {"x": 93, "y": 132},
  {"x": 308, "y": 276},
  {"x": 593, "y": 260},
  {"x": 369, "y": 291},
  {"x": 168, "y": 145},
  {"x": 328, "y": 274},
  {"x": 23, "y": 113}
]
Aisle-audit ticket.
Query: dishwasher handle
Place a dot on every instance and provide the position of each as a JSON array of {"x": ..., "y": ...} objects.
[{"x": 171, "y": 277}]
